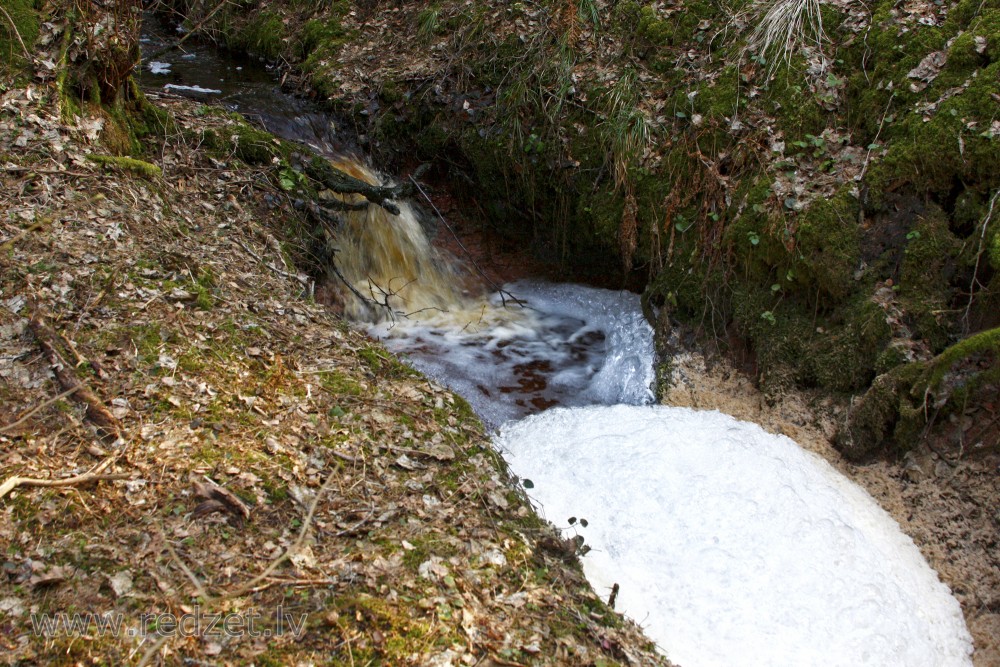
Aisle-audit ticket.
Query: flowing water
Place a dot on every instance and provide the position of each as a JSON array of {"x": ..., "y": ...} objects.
[{"x": 731, "y": 545}]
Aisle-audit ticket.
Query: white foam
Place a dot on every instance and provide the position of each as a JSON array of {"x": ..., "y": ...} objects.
[
  {"x": 585, "y": 345},
  {"x": 157, "y": 67},
  {"x": 192, "y": 89},
  {"x": 733, "y": 546}
]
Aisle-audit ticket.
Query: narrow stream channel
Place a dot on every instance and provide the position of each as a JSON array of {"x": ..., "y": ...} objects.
[{"x": 730, "y": 545}]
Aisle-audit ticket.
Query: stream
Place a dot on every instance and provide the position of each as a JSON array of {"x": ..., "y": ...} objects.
[{"x": 730, "y": 545}]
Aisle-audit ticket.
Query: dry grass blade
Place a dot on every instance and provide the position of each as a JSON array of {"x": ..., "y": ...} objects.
[{"x": 786, "y": 26}]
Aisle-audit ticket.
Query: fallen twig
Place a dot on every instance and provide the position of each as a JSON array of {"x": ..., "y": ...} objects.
[
  {"x": 504, "y": 294},
  {"x": 294, "y": 548},
  {"x": 304, "y": 281},
  {"x": 979, "y": 256},
  {"x": 190, "y": 32},
  {"x": 97, "y": 412},
  {"x": 24, "y": 232},
  {"x": 13, "y": 27},
  {"x": 94, "y": 475},
  {"x": 10, "y": 427}
]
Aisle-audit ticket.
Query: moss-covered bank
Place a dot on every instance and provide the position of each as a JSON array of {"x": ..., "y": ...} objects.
[{"x": 765, "y": 201}]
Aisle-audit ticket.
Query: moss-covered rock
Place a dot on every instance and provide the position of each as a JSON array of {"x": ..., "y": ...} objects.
[{"x": 895, "y": 412}]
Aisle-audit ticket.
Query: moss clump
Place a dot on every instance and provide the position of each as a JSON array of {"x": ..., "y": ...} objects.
[
  {"x": 947, "y": 148},
  {"x": 263, "y": 35},
  {"x": 138, "y": 167},
  {"x": 320, "y": 39},
  {"x": 928, "y": 267},
  {"x": 828, "y": 242},
  {"x": 23, "y": 27},
  {"x": 893, "y": 414},
  {"x": 249, "y": 144}
]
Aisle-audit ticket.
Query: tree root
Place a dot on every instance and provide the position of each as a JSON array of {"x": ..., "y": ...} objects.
[
  {"x": 97, "y": 412},
  {"x": 335, "y": 180}
]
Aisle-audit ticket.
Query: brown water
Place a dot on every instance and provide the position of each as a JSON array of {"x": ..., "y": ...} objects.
[{"x": 203, "y": 72}]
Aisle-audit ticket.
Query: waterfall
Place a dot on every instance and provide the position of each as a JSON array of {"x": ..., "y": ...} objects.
[{"x": 389, "y": 260}]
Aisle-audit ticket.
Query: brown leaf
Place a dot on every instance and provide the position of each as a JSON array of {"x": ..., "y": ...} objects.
[{"x": 220, "y": 499}]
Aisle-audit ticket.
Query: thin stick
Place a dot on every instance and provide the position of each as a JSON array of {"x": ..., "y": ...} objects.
[
  {"x": 13, "y": 27},
  {"x": 468, "y": 254},
  {"x": 97, "y": 412},
  {"x": 269, "y": 570},
  {"x": 153, "y": 650},
  {"x": 190, "y": 32},
  {"x": 205, "y": 597},
  {"x": 10, "y": 427},
  {"x": 49, "y": 172},
  {"x": 41, "y": 224},
  {"x": 302, "y": 281},
  {"x": 87, "y": 477},
  {"x": 979, "y": 256},
  {"x": 885, "y": 114}
]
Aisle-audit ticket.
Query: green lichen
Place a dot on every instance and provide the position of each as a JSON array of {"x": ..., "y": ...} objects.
[{"x": 138, "y": 167}]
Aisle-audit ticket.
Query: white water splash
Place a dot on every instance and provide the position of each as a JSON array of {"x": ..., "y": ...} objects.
[
  {"x": 568, "y": 345},
  {"x": 733, "y": 546}
]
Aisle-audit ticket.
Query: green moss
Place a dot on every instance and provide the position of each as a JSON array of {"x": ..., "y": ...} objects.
[
  {"x": 828, "y": 243},
  {"x": 796, "y": 109},
  {"x": 138, "y": 167},
  {"x": 402, "y": 634},
  {"x": 948, "y": 145},
  {"x": 246, "y": 142},
  {"x": 340, "y": 384},
  {"x": 843, "y": 356},
  {"x": 893, "y": 414},
  {"x": 263, "y": 35},
  {"x": 321, "y": 38},
  {"x": 977, "y": 356},
  {"x": 929, "y": 264},
  {"x": 26, "y": 24}
]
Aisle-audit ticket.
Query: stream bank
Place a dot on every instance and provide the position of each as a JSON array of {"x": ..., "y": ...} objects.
[{"x": 235, "y": 149}]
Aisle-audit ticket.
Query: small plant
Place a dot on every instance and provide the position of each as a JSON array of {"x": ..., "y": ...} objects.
[
  {"x": 588, "y": 10},
  {"x": 427, "y": 23},
  {"x": 627, "y": 129}
]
